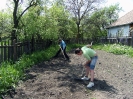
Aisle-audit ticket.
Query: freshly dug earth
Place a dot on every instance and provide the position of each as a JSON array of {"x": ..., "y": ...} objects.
[{"x": 55, "y": 79}]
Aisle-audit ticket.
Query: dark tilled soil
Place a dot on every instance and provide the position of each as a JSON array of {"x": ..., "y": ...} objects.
[{"x": 55, "y": 79}]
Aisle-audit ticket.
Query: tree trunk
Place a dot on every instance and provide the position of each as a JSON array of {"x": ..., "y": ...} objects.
[{"x": 78, "y": 32}]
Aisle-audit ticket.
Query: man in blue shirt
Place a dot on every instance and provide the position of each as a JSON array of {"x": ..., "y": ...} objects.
[{"x": 62, "y": 45}]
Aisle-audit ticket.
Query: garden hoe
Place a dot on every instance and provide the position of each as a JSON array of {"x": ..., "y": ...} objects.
[
  {"x": 62, "y": 52},
  {"x": 79, "y": 78}
]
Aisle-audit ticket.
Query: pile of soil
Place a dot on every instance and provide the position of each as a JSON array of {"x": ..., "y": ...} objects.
[{"x": 54, "y": 79}]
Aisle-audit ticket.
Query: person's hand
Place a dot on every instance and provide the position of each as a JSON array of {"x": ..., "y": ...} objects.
[{"x": 87, "y": 62}]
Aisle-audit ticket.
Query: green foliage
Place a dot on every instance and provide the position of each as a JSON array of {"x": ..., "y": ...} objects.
[
  {"x": 61, "y": 16},
  {"x": 51, "y": 23},
  {"x": 116, "y": 49},
  {"x": 5, "y": 24},
  {"x": 11, "y": 74},
  {"x": 34, "y": 25},
  {"x": 95, "y": 24}
]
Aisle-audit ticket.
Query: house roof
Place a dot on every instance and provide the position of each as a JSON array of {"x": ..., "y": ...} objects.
[{"x": 124, "y": 20}]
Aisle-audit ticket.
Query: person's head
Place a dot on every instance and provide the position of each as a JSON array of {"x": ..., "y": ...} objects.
[
  {"x": 60, "y": 40},
  {"x": 78, "y": 51}
]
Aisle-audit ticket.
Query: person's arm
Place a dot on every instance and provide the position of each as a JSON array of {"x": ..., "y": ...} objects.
[
  {"x": 89, "y": 45},
  {"x": 87, "y": 62}
]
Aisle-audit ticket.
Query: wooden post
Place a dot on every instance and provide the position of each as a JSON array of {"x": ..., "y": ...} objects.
[
  {"x": 14, "y": 50},
  {"x": 5, "y": 51},
  {"x": 8, "y": 50},
  {"x": 2, "y": 59}
]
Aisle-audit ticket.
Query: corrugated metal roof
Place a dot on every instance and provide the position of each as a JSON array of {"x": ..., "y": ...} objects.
[{"x": 126, "y": 19}]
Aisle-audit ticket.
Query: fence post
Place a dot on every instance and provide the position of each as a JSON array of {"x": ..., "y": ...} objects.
[
  {"x": 14, "y": 50},
  {"x": 2, "y": 50},
  {"x": 5, "y": 51}
]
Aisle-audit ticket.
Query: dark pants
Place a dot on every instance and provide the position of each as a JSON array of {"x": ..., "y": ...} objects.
[{"x": 64, "y": 51}]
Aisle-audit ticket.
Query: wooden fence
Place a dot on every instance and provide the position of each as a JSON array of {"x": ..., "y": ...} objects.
[
  {"x": 121, "y": 40},
  {"x": 13, "y": 51}
]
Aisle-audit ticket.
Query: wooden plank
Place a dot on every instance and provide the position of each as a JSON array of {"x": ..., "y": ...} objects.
[
  {"x": 14, "y": 50},
  {"x": 2, "y": 51},
  {"x": 9, "y": 50},
  {"x": 5, "y": 51}
]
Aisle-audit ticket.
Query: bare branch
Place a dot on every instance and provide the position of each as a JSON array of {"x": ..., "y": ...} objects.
[{"x": 32, "y": 3}]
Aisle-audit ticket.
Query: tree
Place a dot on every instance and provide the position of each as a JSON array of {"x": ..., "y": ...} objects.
[
  {"x": 61, "y": 16},
  {"x": 52, "y": 23},
  {"x": 5, "y": 24},
  {"x": 17, "y": 14},
  {"x": 96, "y": 24},
  {"x": 31, "y": 23},
  {"x": 112, "y": 12},
  {"x": 79, "y": 8}
]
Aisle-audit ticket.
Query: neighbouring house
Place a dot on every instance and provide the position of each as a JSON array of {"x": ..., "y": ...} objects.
[
  {"x": 122, "y": 27},
  {"x": 121, "y": 31}
]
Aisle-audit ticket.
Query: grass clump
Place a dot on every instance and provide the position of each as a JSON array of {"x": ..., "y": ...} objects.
[{"x": 116, "y": 49}]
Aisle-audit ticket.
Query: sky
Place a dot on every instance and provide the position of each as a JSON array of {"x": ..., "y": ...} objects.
[
  {"x": 2, "y": 4},
  {"x": 127, "y": 5}
]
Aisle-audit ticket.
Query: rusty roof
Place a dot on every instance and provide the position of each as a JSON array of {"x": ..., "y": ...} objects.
[{"x": 124, "y": 20}]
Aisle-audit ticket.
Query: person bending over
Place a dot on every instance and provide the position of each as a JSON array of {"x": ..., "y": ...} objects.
[
  {"x": 91, "y": 57},
  {"x": 62, "y": 45}
]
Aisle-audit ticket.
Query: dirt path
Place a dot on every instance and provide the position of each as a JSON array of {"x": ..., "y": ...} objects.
[{"x": 54, "y": 79}]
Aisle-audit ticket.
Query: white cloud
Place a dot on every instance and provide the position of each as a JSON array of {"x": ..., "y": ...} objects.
[
  {"x": 127, "y": 5},
  {"x": 3, "y": 4}
]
